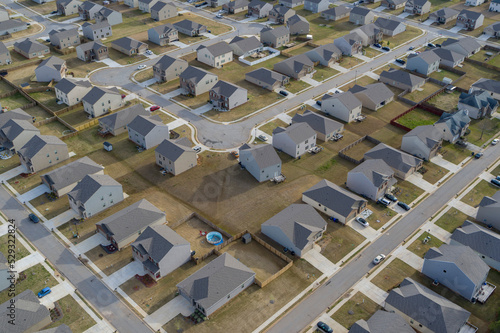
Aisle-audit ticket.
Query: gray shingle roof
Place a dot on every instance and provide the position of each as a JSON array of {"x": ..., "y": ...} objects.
[
  {"x": 14, "y": 114},
  {"x": 194, "y": 74},
  {"x": 446, "y": 12},
  {"x": 495, "y": 26},
  {"x": 347, "y": 98},
  {"x": 296, "y": 63},
  {"x": 66, "y": 85},
  {"x": 63, "y": 328},
  {"x": 106, "y": 12},
  {"x": 128, "y": 43},
  {"x": 265, "y": 75},
  {"x": 89, "y": 184},
  {"x": 463, "y": 257},
  {"x": 160, "y": 5},
  {"x": 335, "y": 197},
  {"x": 446, "y": 54},
  {"x": 469, "y": 14},
  {"x": 382, "y": 322},
  {"x": 296, "y": 19},
  {"x": 95, "y": 45},
  {"x": 428, "y": 56},
  {"x": 96, "y": 26},
  {"x": 216, "y": 280},
  {"x": 377, "y": 171},
  {"x": 52, "y": 62},
  {"x": 395, "y": 158},
  {"x": 396, "y": 2},
  {"x": 164, "y": 28},
  {"x": 387, "y": 23},
  {"x": 454, "y": 121},
  {"x": 298, "y": 132},
  {"x": 469, "y": 44},
  {"x": 226, "y": 89},
  {"x": 376, "y": 92},
  {"x": 299, "y": 222},
  {"x": 145, "y": 124},
  {"x": 36, "y": 143},
  {"x": 29, "y": 46},
  {"x": 157, "y": 241},
  {"x": 327, "y": 51},
  {"x": 493, "y": 201},
  {"x": 487, "y": 84},
  {"x": 420, "y": 2},
  {"x": 14, "y": 127},
  {"x": 172, "y": 150},
  {"x": 238, "y": 4},
  {"x": 402, "y": 77},
  {"x": 246, "y": 44},
  {"x": 428, "y": 134},
  {"x": 360, "y": 11},
  {"x": 264, "y": 155},
  {"x": 72, "y": 172},
  {"x": 282, "y": 10},
  {"x": 217, "y": 49},
  {"x": 3, "y": 48},
  {"x": 318, "y": 122},
  {"x": 257, "y": 4},
  {"x": 124, "y": 117},
  {"x": 478, "y": 99},
  {"x": 277, "y": 32},
  {"x": 131, "y": 220},
  {"x": 87, "y": 5},
  {"x": 188, "y": 25},
  {"x": 481, "y": 240},
  {"x": 63, "y": 33},
  {"x": 12, "y": 23},
  {"x": 29, "y": 312},
  {"x": 166, "y": 61},
  {"x": 337, "y": 11},
  {"x": 97, "y": 92},
  {"x": 64, "y": 2}
]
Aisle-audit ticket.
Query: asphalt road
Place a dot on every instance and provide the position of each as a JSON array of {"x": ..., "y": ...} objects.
[
  {"x": 323, "y": 297},
  {"x": 94, "y": 291}
]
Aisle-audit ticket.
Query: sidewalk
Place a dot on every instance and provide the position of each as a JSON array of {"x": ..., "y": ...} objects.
[
  {"x": 437, "y": 231},
  {"x": 372, "y": 291},
  {"x": 417, "y": 180},
  {"x": 29, "y": 261},
  {"x": 463, "y": 207},
  {"x": 439, "y": 160},
  {"x": 409, "y": 257},
  {"x": 168, "y": 311},
  {"x": 315, "y": 258},
  {"x": 311, "y": 81},
  {"x": 12, "y": 173},
  {"x": 89, "y": 244},
  {"x": 34, "y": 193},
  {"x": 119, "y": 277},
  {"x": 176, "y": 123}
]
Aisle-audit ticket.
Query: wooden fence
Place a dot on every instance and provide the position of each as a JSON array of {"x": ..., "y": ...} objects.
[
  {"x": 68, "y": 108},
  {"x": 45, "y": 121},
  {"x": 8, "y": 93},
  {"x": 483, "y": 64},
  {"x": 88, "y": 124},
  {"x": 29, "y": 105},
  {"x": 298, "y": 46},
  {"x": 35, "y": 62},
  {"x": 346, "y": 148}
]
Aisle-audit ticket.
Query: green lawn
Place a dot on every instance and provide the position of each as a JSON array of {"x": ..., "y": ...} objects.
[
  {"x": 380, "y": 215},
  {"x": 300, "y": 50},
  {"x": 452, "y": 219},
  {"x": 495, "y": 61},
  {"x": 270, "y": 126},
  {"x": 423, "y": 92},
  {"x": 20, "y": 251},
  {"x": 350, "y": 62},
  {"x": 420, "y": 249},
  {"x": 444, "y": 73},
  {"x": 474, "y": 73},
  {"x": 393, "y": 274},
  {"x": 433, "y": 172},
  {"x": 48, "y": 98},
  {"x": 418, "y": 117},
  {"x": 483, "y": 130},
  {"x": 361, "y": 307},
  {"x": 55, "y": 128},
  {"x": 407, "y": 192},
  {"x": 73, "y": 315},
  {"x": 323, "y": 73},
  {"x": 13, "y": 102},
  {"x": 338, "y": 241},
  {"x": 454, "y": 153},
  {"x": 475, "y": 195}
]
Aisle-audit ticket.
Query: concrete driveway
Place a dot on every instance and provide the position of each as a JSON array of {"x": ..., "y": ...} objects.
[
  {"x": 12, "y": 173},
  {"x": 34, "y": 193},
  {"x": 164, "y": 314},
  {"x": 124, "y": 274},
  {"x": 455, "y": 29}
]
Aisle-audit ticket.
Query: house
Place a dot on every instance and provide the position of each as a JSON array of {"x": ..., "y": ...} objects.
[
  {"x": 18, "y": 114},
  {"x": 71, "y": 91},
  {"x": 488, "y": 85},
  {"x": 493, "y": 29},
  {"x": 349, "y": 44},
  {"x": 129, "y": 46},
  {"x": 99, "y": 101},
  {"x": 88, "y": 10},
  {"x": 259, "y": 8},
  {"x": 325, "y": 55},
  {"x": 297, "y": 66},
  {"x": 296, "y": 228},
  {"x": 393, "y": 4},
  {"x": 453, "y": 125},
  {"x": 236, "y": 6},
  {"x": 145, "y": 5},
  {"x": 474, "y": 3},
  {"x": 448, "y": 57},
  {"x": 11, "y": 26},
  {"x": 163, "y": 34},
  {"x": 116, "y": 123},
  {"x": 147, "y": 131},
  {"x": 41, "y": 152},
  {"x": 161, "y": 250},
  {"x": 163, "y": 10},
  {"x": 336, "y": 13},
  {"x": 316, "y": 6},
  {"x": 276, "y": 37},
  {"x": 125, "y": 226},
  {"x": 92, "y": 51},
  {"x": 113, "y": 17},
  {"x": 4, "y": 15},
  {"x": 382, "y": 322},
  {"x": 51, "y": 69},
  {"x": 344, "y": 106},
  {"x": 478, "y": 103},
  {"x": 245, "y": 46},
  {"x": 196, "y": 81},
  {"x": 458, "y": 268},
  {"x": 418, "y": 7},
  {"x": 297, "y": 25},
  {"x": 390, "y": 27},
  {"x": 371, "y": 179},
  {"x": 93, "y": 194},
  {"x": 280, "y": 14},
  {"x": 295, "y": 140},
  {"x": 30, "y": 314},
  {"x": 424, "y": 63},
  {"x": 369, "y": 34},
  {"x": 5, "y": 58},
  {"x": 361, "y": 16},
  {"x": 488, "y": 210},
  {"x": 217, "y": 3},
  {"x": 373, "y": 96},
  {"x": 469, "y": 20},
  {"x": 16, "y": 133},
  {"x": 414, "y": 303},
  {"x": 402, "y": 164},
  {"x": 484, "y": 242},
  {"x": 261, "y": 161},
  {"x": 64, "y": 38},
  {"x": 423, "y": 142},
  {"x": 62, "y": 180},
  {"x": 225, "y": 96},
  {"x": 216, "y": 283},
  {"x": 169, "y": 68},
  {"x": 267, "y": 79},
  {"x": 68, "y": 7},
  {"x": 131, "y": 3},
  {"x": 325, "y": 128},
  {"x": 467, "y": 46},
  {"x": 176, "y": 156},
  {"x": 190, "y": 28},
  {"x": 291, "y": 3},
  {"x": 494, "y": 6},
  {"x": 402, "y": 79},
  {"x": 30, "y": 49},
  {"x": 334, "y": 201},
  {"x": 97, "y": 31},
  {"x": 444, "y": 15},
  {"x": 215, "y": 55}
]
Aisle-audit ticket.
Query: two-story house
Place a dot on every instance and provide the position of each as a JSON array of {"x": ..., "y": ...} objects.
[
  {"x": 261, "y": 161},
  {"x": 71, "y": 91},
  {"x": 423, "y": 142},
  {"x": 424, "y": 63},
  {"x": 146, "y": 5},
  {"x": 453, "y": 125},
  {"x": 361, "y": 16},
  {"x": 67, "y": 7},
  {"x": 336, "y": 13},
  {"x": 316, "y": 6},
  {"x": 344, "y": 106},
  {"x": 479, "y": 104},
  {"x": 215, "y": 55},
  {"x": 15, "y": 133},
  {"x": 324, "y": 127},
  {"x": 92, "y": 51},
  {"x": 163, "y": 10},
  {"x": 41, "y": 152},
  {"x": 88, "y": 10},
  {"x": 297, "y": 25},
  {"x": 225, "y": 96},
  {"x": 113, "y": 17},
  {"x": 371, "y": 179},
  {"x": 418, "y": 7},
  {"x": 52, "y": 68},
  {"x": 259, "y": 8},
  {"x": 97, "y": 31},
  {"x": 280, "y": 14},
  {"x": 196, "y": 81},
  {"x": 276, "y": 37},
  {"x": 163, "y": 34},
  {"x": 99, "y": 101},
  {"x": 5, "y": 58},
  {"x": 176, "y": 157},
  {"x": 64, "y": 38},
  {"x": 117, "y": 122},
  {"x": 294, "y": 140},
  {"x": 169, "y": 68},
  {"x": 147, "y": 132},
  {"x": 469, "y": 20}
]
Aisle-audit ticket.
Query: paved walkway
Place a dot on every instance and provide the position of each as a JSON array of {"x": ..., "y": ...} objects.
[
  {"x": 418, "y": 180},
  {"x": 100, "y": 327},
  {"x": 437, "y": 231},
  {"x": 285, "y": 117},
  {"x": 362, "y": 57},
  {"x": 463, "y": 207},
  {"x": 379, "y": 9},
  {"x": 90, "y": 243},
  {"x": 311, "y": 81},
  {"x": 484, "y": 37},
  {"x": 403, "y": 15},
  {"x": 372, "y": 291},
  {"x": 202, "y": 109},
  {"x": 110, "y": 62},
  {"x": 172, "y": 94},
  {"x": 339, "y": 68},
  {"x": 409, "y": 257},
  {"x": 58, "y": 292},
  {"x": 179, "y": 44},
  {"x": 149, "y": 82},
  {"x": 12, "y": 173},
  {"x": 34, "y": 193},
  {"x": 439, "y": 160},
  {"x": 315, "y": 258},
  {"x": 119, "y": 277},
  {"x": 428, "y": 22},
  {"x": 455, "y": 29},
  {"x": 164, "y": 314},
  {"x": 29, "y": 261},
  {"x": 176, "y": 123},
  {"x": 208, "y": 35},
  {"x": 372, "y": 75},
  {"x": 60, "y": 219}
]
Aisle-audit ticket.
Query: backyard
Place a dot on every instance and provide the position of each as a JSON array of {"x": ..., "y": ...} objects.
[
  {"x": 446, "y": 101},
  {"x": 421, "y": 93},
  {"x": 48, "y": 98},
  {"x": 417, "y": 117},
  {"x": 13, "y": 102},
  {"x": 191, "y": 230},
  {"x": 55, "y": 128}
]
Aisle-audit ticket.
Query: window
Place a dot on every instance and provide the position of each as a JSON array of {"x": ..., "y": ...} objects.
[
  {"x": 50, "y": 161},
  {"x": 228, "y": 296},
  {"x": 110, "y": 194},
  {"x": 444, "y": 270},
  {"x": 104, "y": 205},
  {"x": 48, "y": 155},
  {"x": 102, "y": 198}
]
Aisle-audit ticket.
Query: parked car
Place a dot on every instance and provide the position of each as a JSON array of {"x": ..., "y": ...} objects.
[
  {"x": 411, "y": 48},
  {"x": 141, "y": 66},
  {"x": 197, "y": 149},
  {"x": 201, "y": 4},
  {"x": 391, "y": 197},
  {"x": 54, "y": 12},
  {"x": 404, "y": 206},
  {"x": 324, "y": 327},
  {"x": 438, "y": 45},
  {"x": 495, "y": 182},
  {"x": 154, "y": 108},
  {"x": 478, "y": 156},
  {"x": 44, "y": 292},
  {"x": 149, "y": 52},
  {"x": 48, "y": 40},
  {"x": 284, "y": 93},
  {"x": 235, "y": 153},
  {"x": 494, "y": 142},
  {"x": 431, "y": 45},
  {"x": 400, "y": 61},
  {"x": 386, "y": 48},
  {"x": 378, "y": 259},
  {"x": 318, "y": 103},
  {"x": 34, "y": 218},
  {"x": 497, "y": 177},
  {"x": 362, "y": 221},
  {"x": 123, "y": 95},
  {"x": 262, "y": 137},
  {"x": 384, "y": 202},
  {"x": 218, "y": 16},
  {"x": 377, "y": 45}
]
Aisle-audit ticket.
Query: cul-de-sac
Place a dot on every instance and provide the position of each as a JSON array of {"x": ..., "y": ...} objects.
[{"x": 249, "y": 166}]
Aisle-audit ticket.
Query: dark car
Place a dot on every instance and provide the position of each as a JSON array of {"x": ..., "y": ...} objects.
[
  {"x": 400, "y": 61},
  {"x": 431, "y": 45},
  {"x": 391, "y": 197},
  {"x": 438, "y": 45},
  {"x": 34, "y": 218},
  {"x": 284, "y": 93},
  {"x": 385, "y": 48},
  {"x": 324, "y": 327},
  {"x": 478, "y": 156},
  {"x": 201, "y": 4},
  {"x": 3, "y": 73},
  {"x": 411, "y": 48},
  {"x": 154, "y": 108},
  {"x": 318, "y": 103},
  {"x": 405, "y": 206},
  {"x": 54, "y": 12},
  {"x": 495, "y": 182},
  {"x": 377, "y": 45}
]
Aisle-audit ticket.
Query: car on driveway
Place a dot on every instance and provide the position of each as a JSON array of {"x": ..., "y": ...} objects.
[
  {"x": 494, "y": 142},
  {"x": 197, "y": 149},
  {"x": 362, "y": 221},
  {"x": 34, "y": 218},
  {"x": 154, "y": 108},
  {"x": 378, "y": 259},
  {"x": 411, "y": 48},
  {"x": 141, "y": 66},
  {"x": 262, "y": 137},
  {"x": 478, "y": 156},
  {"x": 386, "y": 48},
  {"x": 377, "y": 45},
  {"x": 324, "y": 327},
  {"x": 149, "y": 52},
  {"x": 495, "y": 182},
  {"x": 201, "y": 4},
  {"x": 284, "y": 93},
  {"x": 400, "y": 61},
  {"x": 431, "y": 45},
  {"x": 404, "y": 206},
  {"x": 391, "y": 197},
  {"x": 219, "y": 16},
  {"x": 384, "y": 201},
  {"x": 44, "y": 292}
]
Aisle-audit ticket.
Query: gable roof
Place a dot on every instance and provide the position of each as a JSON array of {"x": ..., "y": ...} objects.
[
  {"x": 52, "y": 62},
  {"x": 37, "y": 143},
  {"x": 278, "y": 31},
  {"x": 446, "y": 54},
  {"x": 446, "y": 12},
  {"x": 166, "y": 61},
  {"x": 388, "y": 24},
  {"x": 382, "y": 322},
  {"x": 64, "y": 33},
  {"x": 96, "y": 26},
  {"x": 194, "y": 74},
  {"x": 495, "y": 26},
  {"x": 63, "y": 328},
  {"x": 334, "y": 197},
  {"x": 14, "y": 114},
  {"x": 89, "y": 185},
  {"x": 395, "y": 158},
  {"x": 455, "y": 121},
  {"x": 145, "y": 124},
  {"x": 469, "y": 14},
  {"x": 97, "y": 92},
  {"x": 419, "y": 2},
  {"x": 257, "y": 4},
  {"x": 71, "y": 173},
  {"x": 327, "y": 52},
  {"x": 123, "y": 117},
  {"x": 3, "y": 49},
  {"x": 298, "y": 132},
  {"x": 376, "y": 92},
  {"x": 428, "y": 134},
  {"x": 87, "y": 5},
  {"x": 217, "y": 49},
  {"x": 478, "y": 99},
  {"x": 469, "y": 44},
  {"x": 263, "y": 155},
  {"x": 479, "y": 239},
  {"x": 12, "y": 23},
  {"x": 360, "y": 11},
  {"x": 128, "y": 43},
  {"x": 318, "y": 122},
  {"x": 172, "y": 150},
  {"x": 214, "y": 281},
  {"x": 296, "y": 63},
  {"x": 377, "y": 171},
  {"x": 402, "y": 77},
  {"x": 396, "y": 2},
  {"x": 488, "y": 85},
  {"x": 491, "y": 201},
  {"x": 157, "y": 241},
  {"x": 14, "y": 127},
  {"x": 238, "y": 4},
  {"x": 299, "y": 222},
  {"x": 29, "y": 312},
  {"x": 428, "y": 308},
  {"x": 337, "y": 11},
  {"x": 29, "y": 46},
  {"x": 160, "y": 5},
  {"x": 281, "y": 10},
  {"x": 66, "y": 85},
  {"x": 188, "y": 25},
  {"x": 226, "y": 89},
  {"x": 266, "y": 75},
  {"x": 429, "y": 57},
  {"x": 163, "y": 29},
  {"x": 294, "y": 19},
  {"x": 94, "y": 45},
  {"x": 347, "y": 98},
  {"x": 246, "y": 44}
]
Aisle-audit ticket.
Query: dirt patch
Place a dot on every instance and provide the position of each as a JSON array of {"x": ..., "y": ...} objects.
[{"x": 191, "y": 230}]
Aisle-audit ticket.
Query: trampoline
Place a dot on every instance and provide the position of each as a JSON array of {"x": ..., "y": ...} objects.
[{"x": 215, "y": 238}]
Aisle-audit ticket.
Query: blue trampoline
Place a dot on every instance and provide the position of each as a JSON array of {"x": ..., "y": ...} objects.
[{"x": 215, "y": 238}]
